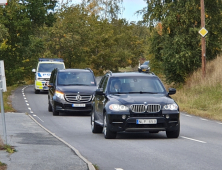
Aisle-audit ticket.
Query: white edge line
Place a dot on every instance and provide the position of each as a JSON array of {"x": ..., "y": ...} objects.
[
  {"x": 188, "y": 116},
  {"x": 38, "y": 117},
  {"x": 219, "y": 123},
  {"x": 203, "y": 119},
  {"x": 90, "y": 165},
  {"x": 193, "y": 139}
]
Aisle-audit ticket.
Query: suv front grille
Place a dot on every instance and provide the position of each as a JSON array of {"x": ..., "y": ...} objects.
[
  {"x": 141, "y": 108},
  {"x": 78, "y": 98}
]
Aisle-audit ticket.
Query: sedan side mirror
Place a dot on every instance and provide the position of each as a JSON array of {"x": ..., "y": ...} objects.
[
  {"x": 99, "y": 91},
  {"x": 172, "y": 91}
]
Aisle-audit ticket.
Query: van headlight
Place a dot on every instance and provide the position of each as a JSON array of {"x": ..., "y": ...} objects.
[
  {"x": 170, "y": 107},
  {"x": 117, "y": 107},
  {"x": 59, "y": 94}
]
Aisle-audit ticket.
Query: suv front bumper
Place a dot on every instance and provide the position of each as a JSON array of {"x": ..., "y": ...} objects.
[{"x": 117, "y": 124}]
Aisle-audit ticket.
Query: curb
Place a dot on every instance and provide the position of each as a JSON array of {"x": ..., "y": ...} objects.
[{"x": 90, "y": 165}]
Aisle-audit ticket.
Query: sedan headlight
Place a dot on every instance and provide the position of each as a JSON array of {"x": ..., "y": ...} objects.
[
  {"x": 170, "y": 107},
  {"x": 59, "y": 94},
  {"x": 117, "y": 107}
]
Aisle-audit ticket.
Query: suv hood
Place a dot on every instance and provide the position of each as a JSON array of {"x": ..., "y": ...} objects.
[
  {"x": 75, "y": 89},
  {"x": 128, "y": 99}
]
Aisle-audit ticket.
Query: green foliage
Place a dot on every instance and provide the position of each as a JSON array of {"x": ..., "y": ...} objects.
[
  {"x": 22, "y": 19},
  {"x": 9, "y": 148},
  {"x": 84, "y": 40},
  {"x": 175, "y": 43}
]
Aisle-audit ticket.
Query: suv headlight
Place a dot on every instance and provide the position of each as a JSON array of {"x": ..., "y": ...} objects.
[
  {"x": 170, "y": 107},
  {"x": 59, "y": 94},
  {"x": 117, "y": 107}
]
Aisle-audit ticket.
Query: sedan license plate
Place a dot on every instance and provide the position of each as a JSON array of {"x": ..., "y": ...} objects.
[
  {"x": 78, "y": 105},
  {"x": 146, "y": 121},
  {"x": 144, "y": 70}
]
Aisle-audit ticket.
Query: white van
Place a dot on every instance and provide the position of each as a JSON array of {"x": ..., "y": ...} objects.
[{"x": 43, "y": 72}]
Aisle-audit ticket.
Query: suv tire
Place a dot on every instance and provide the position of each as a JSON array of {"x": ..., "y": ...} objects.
[
  {"x": 106, "y": 130},
  {"x": 175, "y": 133},
  {"x": 95, "y": 127}
]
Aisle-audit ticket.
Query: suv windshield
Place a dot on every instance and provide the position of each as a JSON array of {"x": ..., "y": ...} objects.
[
  {"x": 48, "y": 67},
  {"x": 76, "y": 78},
  {"x": 135, "y": 85}
]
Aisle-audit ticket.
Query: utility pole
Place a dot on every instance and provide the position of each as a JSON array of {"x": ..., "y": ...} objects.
[{"x": 203, "y": 41}]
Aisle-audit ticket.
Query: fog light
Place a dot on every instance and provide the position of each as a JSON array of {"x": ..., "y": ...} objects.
[
  {"x": 123, "y": 116},
  {"x": 167, "y": 116}
]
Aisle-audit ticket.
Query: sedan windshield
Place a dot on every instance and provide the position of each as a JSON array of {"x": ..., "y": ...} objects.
[
  {"x": 76, "y": 79},
  {"x": 149, "y": 85}
]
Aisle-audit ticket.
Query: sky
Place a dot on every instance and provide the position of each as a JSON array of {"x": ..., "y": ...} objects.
[{"x": 131, "y": 6}]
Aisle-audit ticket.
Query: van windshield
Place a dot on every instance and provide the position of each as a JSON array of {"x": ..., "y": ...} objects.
[{"x": 48, "y": 67}]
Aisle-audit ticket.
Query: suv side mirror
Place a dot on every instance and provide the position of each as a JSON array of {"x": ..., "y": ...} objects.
[
  {"x": 33, "y": 70},
  {"x": 172, "y": 91},
  {"x": 99, "y": 91}
]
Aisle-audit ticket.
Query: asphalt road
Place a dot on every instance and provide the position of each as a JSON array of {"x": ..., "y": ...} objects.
[{"x": 198, "y": 147}]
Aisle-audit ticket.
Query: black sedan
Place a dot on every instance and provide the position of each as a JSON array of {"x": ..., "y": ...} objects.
[
  {"x": 144, "y": 67},
  {"x": 141, "y": 104}
]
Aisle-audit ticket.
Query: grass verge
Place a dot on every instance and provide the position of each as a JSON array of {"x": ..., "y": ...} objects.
[
  {"x": 3, "y": 166},
  {"x": 6, "y": 98},
  {"x": 202, "y": 96}
]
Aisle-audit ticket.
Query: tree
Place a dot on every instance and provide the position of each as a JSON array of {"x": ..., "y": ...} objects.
[
  {"x": 175, "y": 42},
  {"x": 22, "y": 19}
]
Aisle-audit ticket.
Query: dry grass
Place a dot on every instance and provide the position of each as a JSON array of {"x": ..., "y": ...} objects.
[
  {"x": 3, "y": 166},
  {"x": 7, "y": 99},
  {"x": 203, "y": 96}
]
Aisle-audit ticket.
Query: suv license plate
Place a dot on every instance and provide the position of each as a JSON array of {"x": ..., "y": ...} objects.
[
  {"x": 78, "y": 105},
  {"x": 146, "y": 121}
]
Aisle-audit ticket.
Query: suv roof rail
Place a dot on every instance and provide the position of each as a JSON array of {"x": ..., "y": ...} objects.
[
  {"x": 109, "y": 72},
  {"x": 89, "y": 69},
  {"x": 51, "y": 59}
]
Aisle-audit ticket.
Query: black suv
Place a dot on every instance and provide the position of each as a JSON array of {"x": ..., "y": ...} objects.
[
  {"x": 133, "y": 102},
  {"x": 71, "y": 90}
]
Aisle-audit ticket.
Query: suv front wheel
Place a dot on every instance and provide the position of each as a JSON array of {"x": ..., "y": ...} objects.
[
  {"x": 175, "y": 133},
  {"x": 106, "y": 130}
]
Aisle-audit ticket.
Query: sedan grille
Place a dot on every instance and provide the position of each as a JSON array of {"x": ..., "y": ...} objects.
[
  {"x": 141, "y": 108},
  {"x": 78, "y": 98}
]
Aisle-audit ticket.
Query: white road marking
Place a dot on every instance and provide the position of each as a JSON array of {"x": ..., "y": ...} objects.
[
  {"x": 193, "y": 139},
  {"x": 23, "y": 95},
  {"x": 188, "y": 116},
  {"x": 29, "y": 108},
  {"x": 203, "y": 119},
  {"x": 26, "y": 101},
  {"x": 27, "y": 104},
  {"x": 25, "y": 98},
  {"x": 38, "y": 118},
  {"x": 118, "y": 169},
  {"x": 219, "y": 123},
  {"x": 31, "y": 111}
]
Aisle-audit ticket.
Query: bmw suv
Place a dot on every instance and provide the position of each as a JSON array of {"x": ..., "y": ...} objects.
[
  {"x": 71, "y": 90},
  {"x": 141, "y": 104}
]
